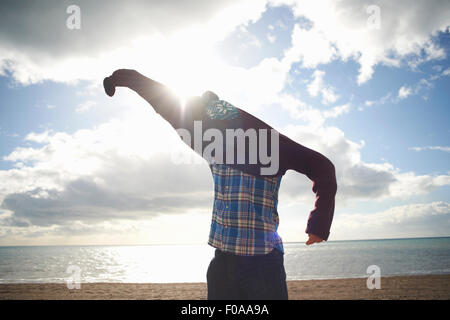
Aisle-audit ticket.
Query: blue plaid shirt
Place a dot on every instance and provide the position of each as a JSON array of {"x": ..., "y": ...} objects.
[{"x": 245, "y": 218}]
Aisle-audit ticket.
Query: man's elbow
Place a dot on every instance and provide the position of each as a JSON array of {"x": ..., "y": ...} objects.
[
  {"x": 329, "y": 171},
  {"x": 332, "y": 173}
]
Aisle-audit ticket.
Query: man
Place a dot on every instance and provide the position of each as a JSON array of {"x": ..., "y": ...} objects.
[{"x": 248, "y": 261}]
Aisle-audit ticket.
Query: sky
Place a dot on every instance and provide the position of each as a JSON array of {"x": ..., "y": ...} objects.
[{"x": 363, "y": 82}]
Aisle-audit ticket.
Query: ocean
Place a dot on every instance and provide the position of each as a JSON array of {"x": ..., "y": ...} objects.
[{"x": 188, "y": 263}]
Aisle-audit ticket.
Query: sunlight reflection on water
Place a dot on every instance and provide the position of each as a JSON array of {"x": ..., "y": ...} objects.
[{"x": 189, "y": 263}]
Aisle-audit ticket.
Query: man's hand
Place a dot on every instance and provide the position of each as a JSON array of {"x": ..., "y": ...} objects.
[
  {"x": 313, "y": 239},
  {"x": 109, "y": 86},
  {"x": 124, "y": 77},
  {"x": 120, "y": 78}
]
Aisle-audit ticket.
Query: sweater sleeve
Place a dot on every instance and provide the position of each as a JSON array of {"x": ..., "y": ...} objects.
[{"x": 320, "y": 170}]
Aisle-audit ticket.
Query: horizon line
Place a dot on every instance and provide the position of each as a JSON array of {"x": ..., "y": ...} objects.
[{"x": 192, "y": 244}]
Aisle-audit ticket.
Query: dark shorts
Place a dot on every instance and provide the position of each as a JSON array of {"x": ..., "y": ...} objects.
[{"x": 233, "y": 277}]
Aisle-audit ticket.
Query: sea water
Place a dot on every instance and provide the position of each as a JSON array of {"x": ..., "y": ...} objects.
[{"x": 188, "y": 263}]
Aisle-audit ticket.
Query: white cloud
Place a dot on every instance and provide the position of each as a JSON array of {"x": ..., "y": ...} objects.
[
  {"x": 311, "y": 47},
  {"x": 339, "y": 31},
  {"x": 317, "y": 86},
  {"x": 116, "y": 170},
  {"x": 85, "y": 106},
  {"x": 39, "y": 137},
  {"x": 337, "y": 111},
  {"x": 328, "y": 95},
  {"x": 35, "y": 44},
  {"x": 356, "y": 178},
  {"x": 421, "y": 87},
  {"x": 380, "y": 101},
  {"x": 298, "y": 109},
  {"x": 409, "y": 184},
  {"x": 440, "y": 148},
  {"x": 272, "y": 38},
  {"x": 420, "y": 220},
  {"x": 404, "y": 92},
  {"x": 49, "y": 50}
]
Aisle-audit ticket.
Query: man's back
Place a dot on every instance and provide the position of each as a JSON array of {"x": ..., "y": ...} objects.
[{"x": 245, "y": 217}]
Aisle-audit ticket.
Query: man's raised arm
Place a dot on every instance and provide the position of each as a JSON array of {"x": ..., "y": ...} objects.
[{"x": 160, "y": 97}]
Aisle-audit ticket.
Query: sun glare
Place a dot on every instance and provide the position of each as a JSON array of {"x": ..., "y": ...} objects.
[{"x": 186, "y": 62}]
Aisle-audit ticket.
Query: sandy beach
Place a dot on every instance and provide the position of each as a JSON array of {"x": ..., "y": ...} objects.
[{"x": 395, "y": 288}]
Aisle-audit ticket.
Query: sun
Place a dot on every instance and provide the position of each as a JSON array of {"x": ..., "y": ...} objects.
[{"x": 189, "y": 62}]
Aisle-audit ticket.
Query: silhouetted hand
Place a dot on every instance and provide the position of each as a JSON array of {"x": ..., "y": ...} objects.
[
  {"x": 120, "y": 78},
  {"x": 313, "y": 239}
]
